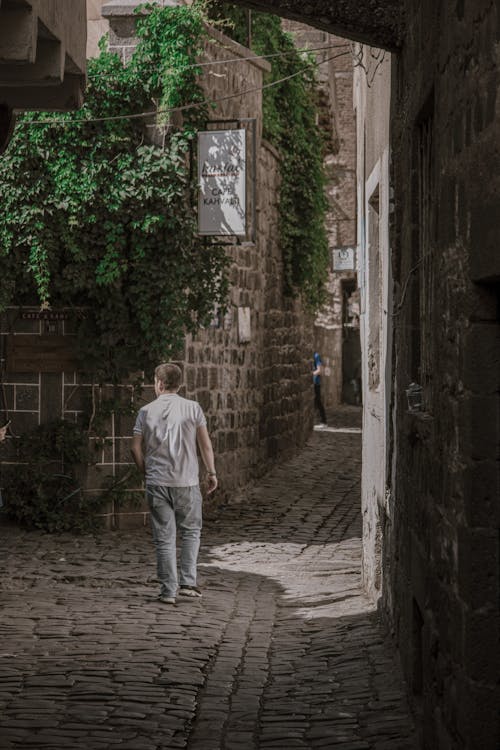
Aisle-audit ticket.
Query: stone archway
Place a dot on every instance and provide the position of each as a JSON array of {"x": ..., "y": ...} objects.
[{"x": 369, "y": 21}]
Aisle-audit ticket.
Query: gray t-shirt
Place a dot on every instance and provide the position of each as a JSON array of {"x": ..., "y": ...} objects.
[{"x": 168, "y": 427}]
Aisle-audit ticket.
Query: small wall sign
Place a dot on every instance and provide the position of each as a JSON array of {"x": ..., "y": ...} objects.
[
  {"x": 44, "y": 315},
  {"x": 344, "y": 258},
  {"x": 244, "y": 325}
]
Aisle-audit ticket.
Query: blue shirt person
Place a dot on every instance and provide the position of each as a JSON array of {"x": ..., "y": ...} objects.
[{"x": 317, "y": 366}]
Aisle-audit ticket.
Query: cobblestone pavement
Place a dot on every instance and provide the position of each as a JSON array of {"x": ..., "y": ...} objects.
[{"x": 283, "y": 651}]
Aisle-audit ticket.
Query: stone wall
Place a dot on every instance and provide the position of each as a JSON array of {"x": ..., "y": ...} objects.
[
  {"x": 336, "y": 332},
  {"x": 42, "y": 57},
  {"x": 249, "y": 370},
  {"x": 372, "y": 85},
  {"x": 440, "y": 575},
  {"x": 371, "y": 21},
  {"x": 257, "y": 394},
  {"x": 442, "y": 557},
  {"x": 97, "y": 26}
]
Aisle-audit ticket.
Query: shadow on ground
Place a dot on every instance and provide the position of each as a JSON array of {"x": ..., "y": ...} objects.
[{"x": 283, "y": 650}]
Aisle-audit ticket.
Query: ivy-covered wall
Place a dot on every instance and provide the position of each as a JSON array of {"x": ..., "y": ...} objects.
[{"x": 247, "y": 365}]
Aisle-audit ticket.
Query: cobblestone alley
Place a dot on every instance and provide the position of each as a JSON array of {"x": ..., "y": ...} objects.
[{"x": 283, "y": 651}]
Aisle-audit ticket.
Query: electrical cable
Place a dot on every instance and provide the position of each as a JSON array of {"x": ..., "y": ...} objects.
[
  {"x": 243, "y": 59},
  {"x": 183, "y": 107}
]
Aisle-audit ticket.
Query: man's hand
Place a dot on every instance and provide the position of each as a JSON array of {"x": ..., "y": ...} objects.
[
  {"x": 3, "y": 432},
  {"x": 207, "y": 454},
  {"x": 212, "y": 483}
]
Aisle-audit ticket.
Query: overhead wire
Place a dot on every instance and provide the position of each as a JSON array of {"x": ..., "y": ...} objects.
[
  {"x": 242, "y": 59},
  {"x": 183, "y": 107}
]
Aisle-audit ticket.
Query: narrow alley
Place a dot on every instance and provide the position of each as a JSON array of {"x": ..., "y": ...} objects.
[{"x": 283, "y": 651}]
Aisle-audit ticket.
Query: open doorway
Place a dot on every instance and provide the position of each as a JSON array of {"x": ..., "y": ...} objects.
[{"x": 351, "y": 346}]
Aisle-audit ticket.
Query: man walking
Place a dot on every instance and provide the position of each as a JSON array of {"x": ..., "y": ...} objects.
[{"x": 166, "y": 433}]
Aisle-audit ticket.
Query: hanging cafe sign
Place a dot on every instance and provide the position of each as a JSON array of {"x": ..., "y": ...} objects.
[{"x": 222, "y": 175}]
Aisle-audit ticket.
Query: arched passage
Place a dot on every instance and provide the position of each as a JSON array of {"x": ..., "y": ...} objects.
[
  {"x": 437, "y": 507},
  {"x": 368, "y": 21}
]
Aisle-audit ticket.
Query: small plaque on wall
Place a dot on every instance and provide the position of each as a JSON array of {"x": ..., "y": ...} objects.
[
  {"x": 45, "y": 353},
  {"x": 344, "y": 259},
  {"x": 244, "y": 325}
]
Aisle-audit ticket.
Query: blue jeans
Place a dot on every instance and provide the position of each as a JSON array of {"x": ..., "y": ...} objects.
[{"x": 175, "y": 508}]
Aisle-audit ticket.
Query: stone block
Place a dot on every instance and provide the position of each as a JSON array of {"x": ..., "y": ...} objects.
[
  {"x": 481, "y": 493},
  {"x": 127, "y": 54},
  {"x": 203, "y": 398},
  {"x": 491, "y": 98},
  {"x": 231, "y": 440},
  {"x": 201, "y": 377},
  {"x": 481, "y": 367},
  {"x": 481, "y": 653},
  {"x": 478, "y": 424},
  {"x": 447, "y": 610},
  {"x": 484, "y": 255},
  {"x": 122, "y": 31},
  {"x": 446, "y": 225},
  {"x": 190, "y": 376},
  {"x": 478, "y": 719},
  {"x": 94, "y": 10},
  {"x": 478, "y": 561}
]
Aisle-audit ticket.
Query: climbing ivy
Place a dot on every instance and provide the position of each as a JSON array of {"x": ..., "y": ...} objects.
[
  {"x": 48, "y": 492},
  {"x": 44, "y": 489},
  {"x": 290, "y": 124},
  {"x": 96, "y": 215},
  {"x": 45, "y": 479}
]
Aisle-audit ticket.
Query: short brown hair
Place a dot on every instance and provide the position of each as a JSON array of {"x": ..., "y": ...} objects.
[{"x": 169, "y": 374}]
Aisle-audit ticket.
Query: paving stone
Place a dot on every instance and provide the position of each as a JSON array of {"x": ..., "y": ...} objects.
[{"x": 283, "y": 650}]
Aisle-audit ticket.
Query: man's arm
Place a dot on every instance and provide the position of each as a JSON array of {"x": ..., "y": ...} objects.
[
  {"x": 137, "y": 453},
  {"x": 207, "y": 454}
]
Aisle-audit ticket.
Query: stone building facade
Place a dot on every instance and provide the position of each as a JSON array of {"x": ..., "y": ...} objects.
[
  {"x": 441, "y": 557},
  {"x": 249, "y": 370},
  {"x": 336, "y": 327},
  {"x": 42, "y": 58},
  {"x": 97, "y": 26},
  {"x": 430, "y": 120},
  {"x": 372, "y": 77}
]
